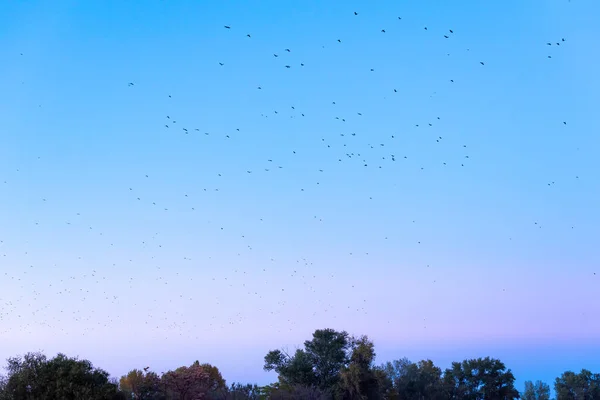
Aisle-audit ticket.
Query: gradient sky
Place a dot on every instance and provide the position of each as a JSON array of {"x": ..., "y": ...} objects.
[{"x": 440, "y": 251}]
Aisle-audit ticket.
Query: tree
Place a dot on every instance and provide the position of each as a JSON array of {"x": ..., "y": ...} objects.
[
  {"x": 406, "y": 380},
  {"x": 131, "y": 383},
  {"x": 215, "y": 379},
  {"x": 328, "y": 351},
  {"x": 293, "y": 370},
  {"x": 186, "y": 383},
  {"x": 3, "y": 392},
  {"x": 581, "y": 386},
  {"x": 480, "y": 379},
  {"x": 318, "y": 364},
  {"x": 358, "y": 379},
  {"x": 35, "y": 377},
  {"x": 536, "y": 391},
  {"x": 142, "y": 385}
]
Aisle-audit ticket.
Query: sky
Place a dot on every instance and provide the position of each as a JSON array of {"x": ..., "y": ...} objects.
[{"x": 171, "y": 191}]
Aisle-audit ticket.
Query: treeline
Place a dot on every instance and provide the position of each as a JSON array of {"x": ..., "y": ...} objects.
[{"x": 331, "y": 366}]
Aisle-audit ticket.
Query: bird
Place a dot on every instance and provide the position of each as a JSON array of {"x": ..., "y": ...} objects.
[
  {"x": 355, "y": 13},
  {"x": 227, "y": 27}
]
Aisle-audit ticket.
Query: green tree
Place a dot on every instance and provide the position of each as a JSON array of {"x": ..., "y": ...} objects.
[
  {"x": 318, "y": 364},
  {"x": 581, "y": 386},
  {"x": 480, "y": 379},
  {"x": 536, "y": 391},
  {"x": 293, "y": 370},
  {"x": 406, "y": 380},
  {"x": 141, "y": 385},
  {"x": 131, "y": 383},
  {"x": 385, "y": 385},
  {"x": 3, "y": 392},
  {"x": 328, "y": 351},
  {"x": 358, "y": 379},
  {"x": 33, "y": 376}
]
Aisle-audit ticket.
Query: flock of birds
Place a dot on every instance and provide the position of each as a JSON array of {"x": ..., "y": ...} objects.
[{"x": 111, "y": 285}]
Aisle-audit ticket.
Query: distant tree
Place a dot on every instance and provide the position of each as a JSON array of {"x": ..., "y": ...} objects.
[
  {"x": 152, "y": 387},
  {"x": 317, "y": 365},
  {"x": 328, "y": 351},
  {"x": 358, "y": 379},
  {"x": 215, "y": 379},
  {"x": 536, "y": 391},
  {"x": 480, "y": 379},
  {"x": 385, "y": 385},
  {"x": 35, "y": 377},
  {"x": 131, "y": 383},
  {"x": 581, "y": 386},
  {"x": 406, "y": 380},
  {"x": 187, "y": 383},
  {"x": 293, "y": 370},
  {"x": 141, "y": 385}
]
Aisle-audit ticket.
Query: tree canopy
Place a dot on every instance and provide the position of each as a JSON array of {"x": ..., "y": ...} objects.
[{"x": 332, "y": 365}]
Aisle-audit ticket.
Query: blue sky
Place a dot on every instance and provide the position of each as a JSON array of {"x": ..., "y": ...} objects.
[{"x": 472, "y": 236}]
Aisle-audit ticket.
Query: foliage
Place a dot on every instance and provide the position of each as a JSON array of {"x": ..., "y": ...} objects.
[
  {"x": 536, "y": 391},
  {"x": 358, "y": 379},
  {"x": 480, "y": 379},
  {"x": 317, "y": 365},
  {"x": 33, "y": 376},
  {"x": 187, "y": 383},
  {"x": 331, "y": 366},
  {"x": 581, "y": 386},
  {"x": 405, "y": 380}
]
